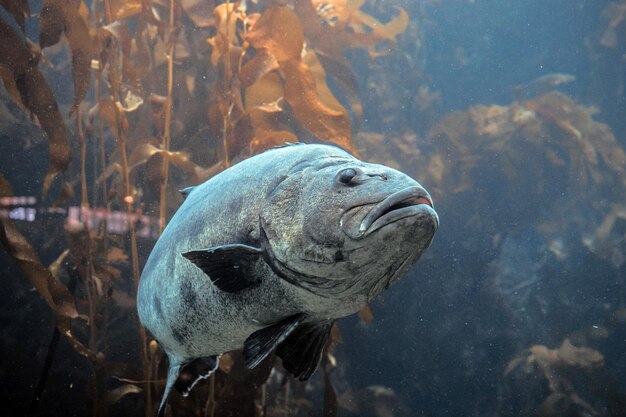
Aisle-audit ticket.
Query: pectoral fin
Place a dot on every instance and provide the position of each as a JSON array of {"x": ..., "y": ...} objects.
[
  {"x": 302, "y": 350},
  {"x": 262, "y": 342},
  {"x": 230, "y": 267}
]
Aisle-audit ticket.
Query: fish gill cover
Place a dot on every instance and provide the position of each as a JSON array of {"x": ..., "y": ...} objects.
[{"x": 109, "y": 107}]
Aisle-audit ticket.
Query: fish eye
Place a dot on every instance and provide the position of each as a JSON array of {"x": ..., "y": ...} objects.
[{"x": 345, "y": 176}]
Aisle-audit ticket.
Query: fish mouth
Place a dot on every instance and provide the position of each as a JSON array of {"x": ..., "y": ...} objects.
[{"x": 409, "y": 202}]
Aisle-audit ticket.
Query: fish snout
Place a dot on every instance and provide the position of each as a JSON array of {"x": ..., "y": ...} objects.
[
  {"x": 413, "y": 201},
  {"x": 408, "y": 202}
]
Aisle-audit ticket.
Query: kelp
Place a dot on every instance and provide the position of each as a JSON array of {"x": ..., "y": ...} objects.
[
  {"x": 615, "y": 14},
  {"x": 29, "y": 89},
  {"x": 195, "y": 85},
  {"x": 71, "y": 19},
  {"x": 540, "y": 186},
  {"x": 607, "y": 240},
  {"x": 19, "y": 9},
  {"x": 49, "y": 287},
  {"x": 569, "y": 371},
  {"x": 549, "y": 146},
  {"x": 372, "y": 401},
  {"x": 547, "y": 359},
  {"x": 344, "y": 25},
  {"x": 143, "y": 153},
  {"x": 267, "y": 66},
  {"x": 54, "y": 293},
  {"x": 122, "y": 9},
  {"x": 309, "y": 98}
]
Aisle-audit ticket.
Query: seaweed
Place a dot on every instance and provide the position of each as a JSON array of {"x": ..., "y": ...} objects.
[
  {"x": 29, "y": 89},
  {"x": 574, "y": 379},
  {"x": 615, "y": 13},
  {"x": 565, "y": 369},
  {"x": 550, "y": 146},
  {"x": 165, "y": 95},
  {"x": 48, "y": 286}
]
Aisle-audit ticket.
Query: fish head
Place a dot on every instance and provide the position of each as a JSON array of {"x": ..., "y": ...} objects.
[{"x": 347, "y": 225}]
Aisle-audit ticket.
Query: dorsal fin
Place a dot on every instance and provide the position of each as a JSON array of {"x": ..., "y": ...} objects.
[
  {"x": 186, "y": 191},
  {"x": 286, "y": 144},
  {"x": 232, "y": 268}
]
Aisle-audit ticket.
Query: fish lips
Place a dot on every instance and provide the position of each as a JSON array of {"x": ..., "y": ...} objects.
[{"x": 362, "y": 220}]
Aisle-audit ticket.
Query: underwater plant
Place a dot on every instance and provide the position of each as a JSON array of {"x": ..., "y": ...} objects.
[
  {"x": 615, "y": 13},
  {"x": 566, "y": 370},
  {"x": 537, "y": 187},
  {"x": 549, "y": 146},
  {"x": 166, "y": 94}
]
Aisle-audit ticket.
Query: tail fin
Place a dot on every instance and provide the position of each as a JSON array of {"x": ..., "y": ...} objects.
[{"x": 172, "y": 376}]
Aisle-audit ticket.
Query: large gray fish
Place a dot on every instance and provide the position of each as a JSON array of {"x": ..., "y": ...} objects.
[{"x": 267, "y": 254}]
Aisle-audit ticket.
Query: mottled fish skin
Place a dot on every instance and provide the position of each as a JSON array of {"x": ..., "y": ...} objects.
[{"x": 302, "y": 207}]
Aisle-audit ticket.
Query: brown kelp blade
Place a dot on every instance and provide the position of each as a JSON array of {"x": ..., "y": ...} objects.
[
  {"x": 50, "y": 288},
  {"x": 32, "y": 91},
  {"x": 42, "y": 103},
  {"x": 311, "y": 101},
  {"x": 69, "y": 17},
  {"x": 19, "y": 9},
  {"x": 54, "y": 293}
]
